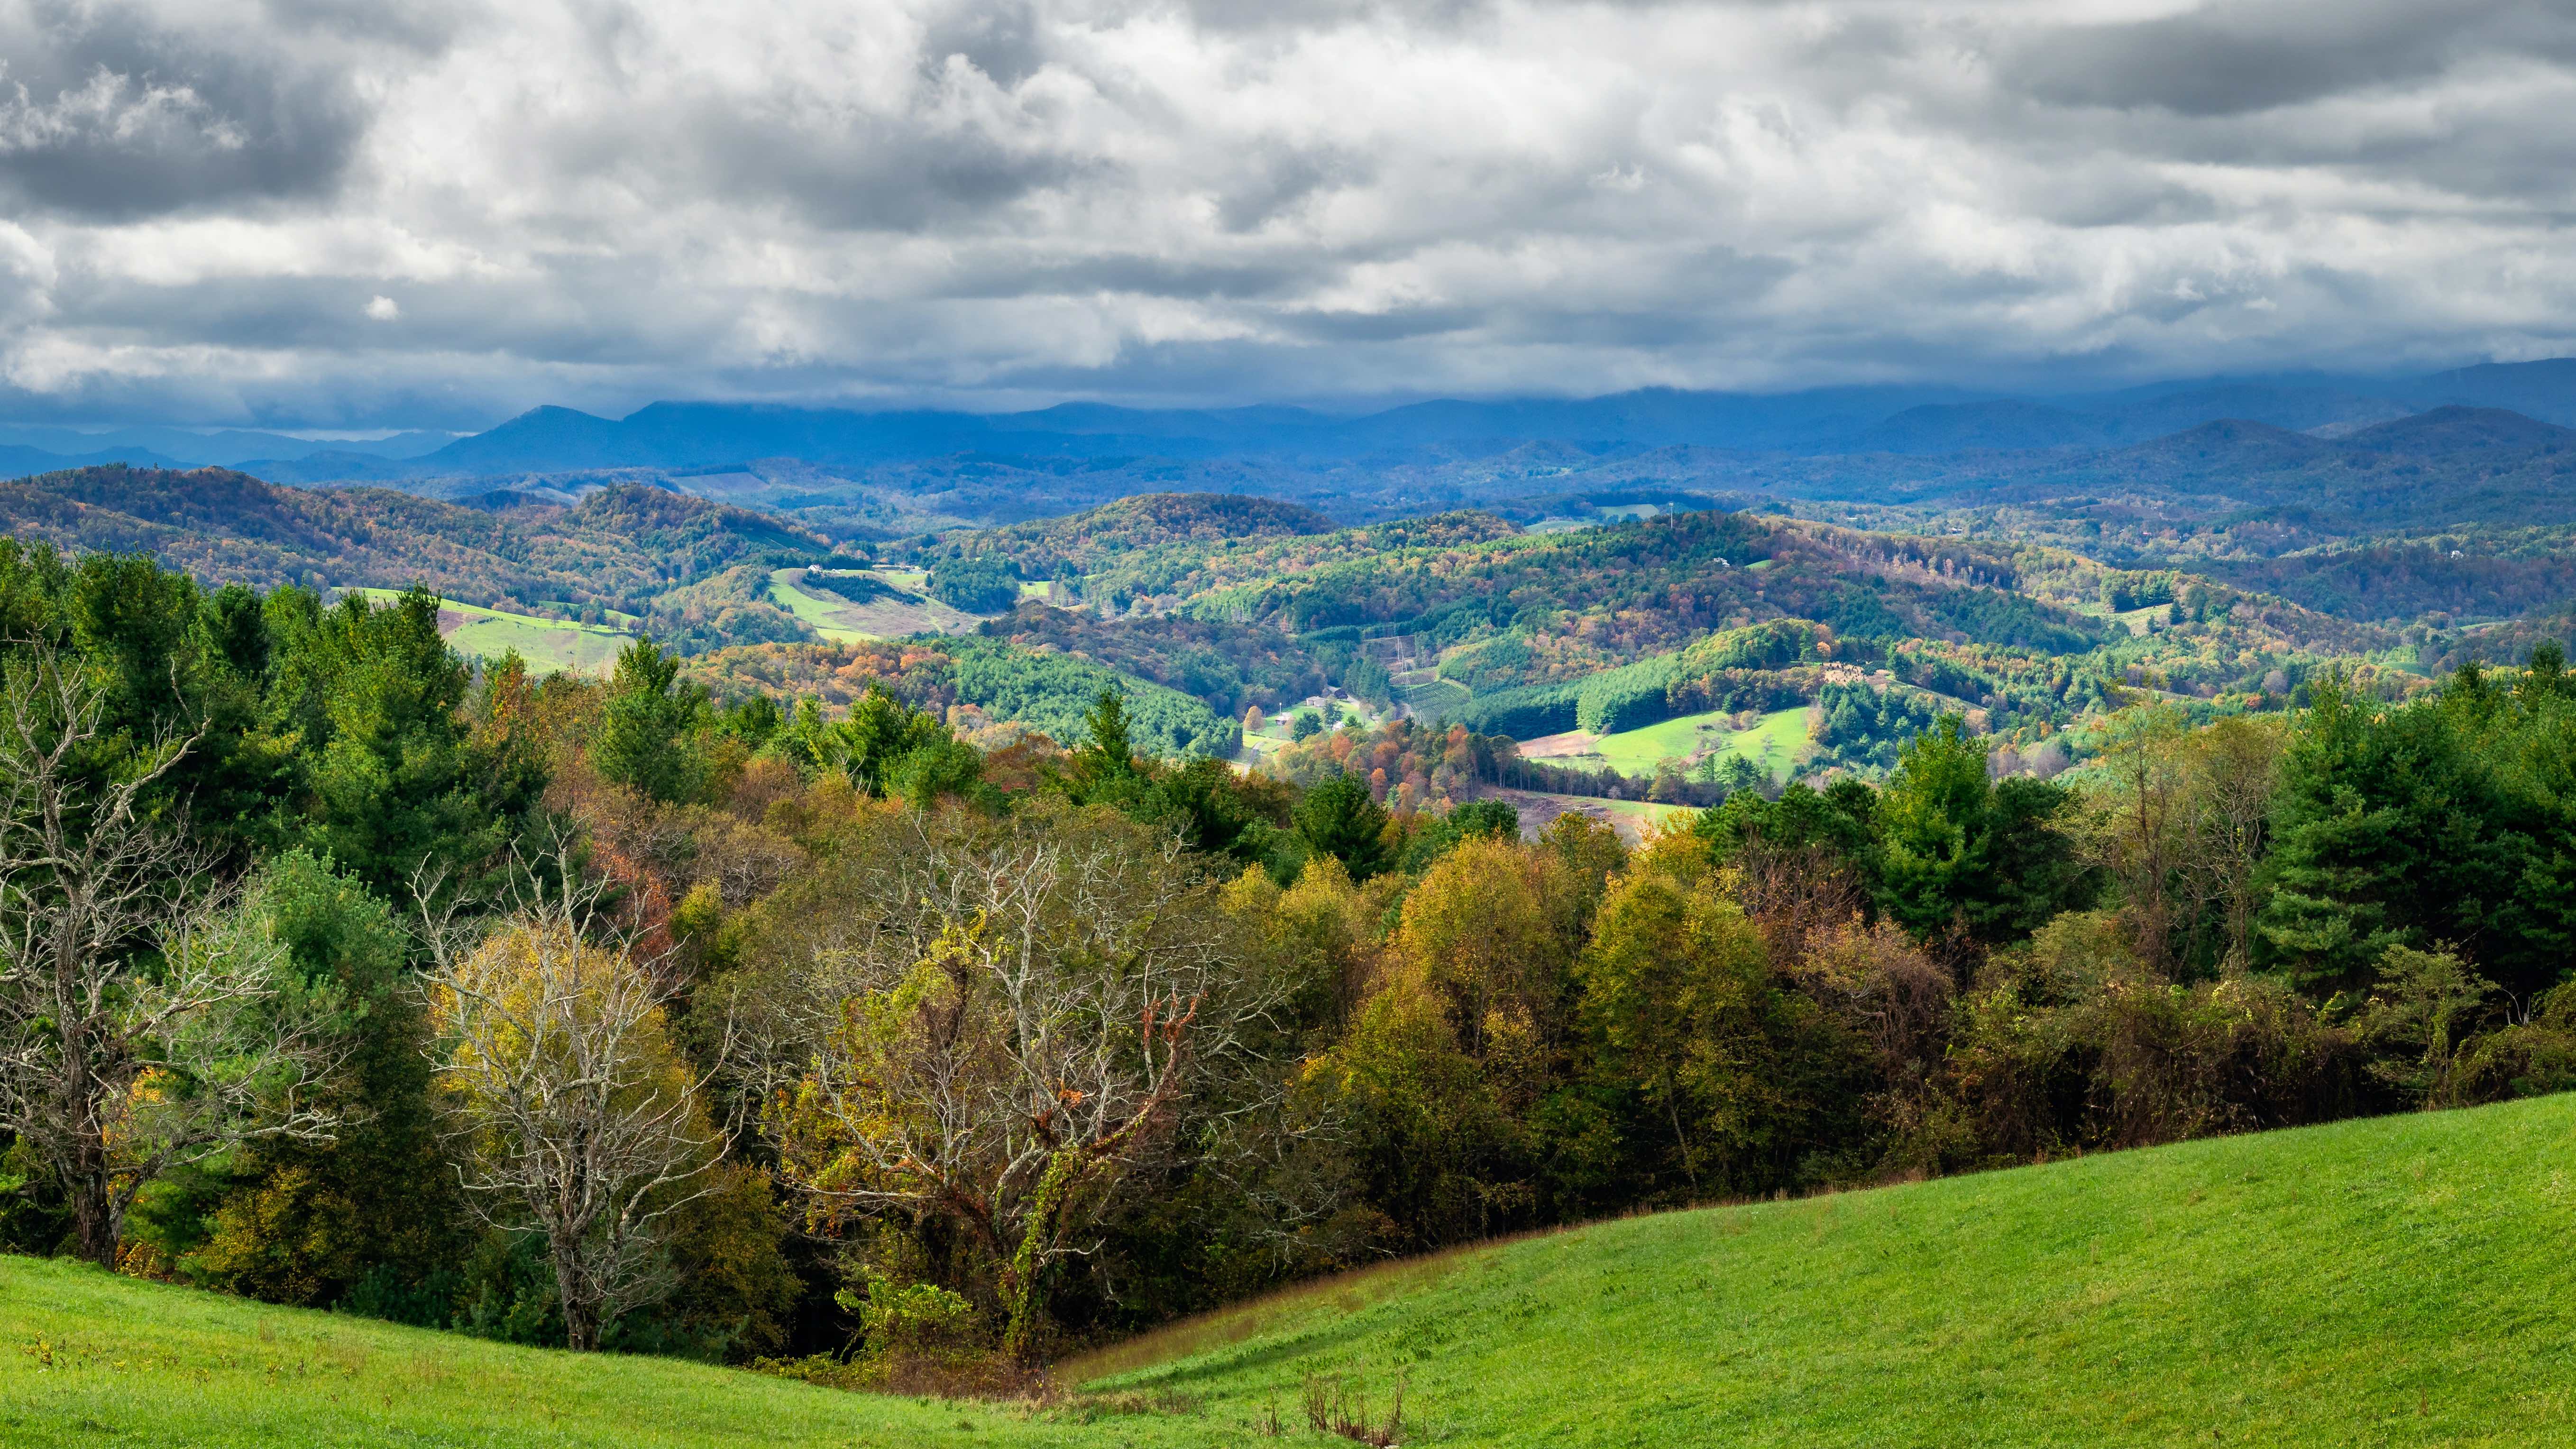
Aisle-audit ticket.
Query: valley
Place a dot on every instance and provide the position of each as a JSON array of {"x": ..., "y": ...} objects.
[
  {"x": 1635, "y": 629},
  {"x": 1430, "y": 797}
]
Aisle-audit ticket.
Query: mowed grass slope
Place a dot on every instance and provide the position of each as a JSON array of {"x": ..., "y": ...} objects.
[
  {"x": 94, "y": 1359},
  {"x": 2394, "y": 1282},
  {"x": 2398, "y": 1281},
  {"x": 843, "y": 622}
]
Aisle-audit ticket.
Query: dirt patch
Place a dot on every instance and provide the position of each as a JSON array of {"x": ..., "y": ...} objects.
[
  {"x": 1560, "y": 747},
  {"x": 1539, "y": 811}
]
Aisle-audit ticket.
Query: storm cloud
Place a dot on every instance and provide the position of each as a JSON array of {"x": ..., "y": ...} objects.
[{"x": 328, "y": 213}]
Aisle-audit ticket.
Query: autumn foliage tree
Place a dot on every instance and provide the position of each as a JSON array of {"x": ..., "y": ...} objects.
[
  {"x": 1016, "y": 1019},
  {"x": 574, "y": 1111}
]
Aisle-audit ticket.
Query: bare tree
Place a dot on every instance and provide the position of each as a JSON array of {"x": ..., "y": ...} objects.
[
  {"x": 114, "y": 1073},
  {"x": 575, "y": 1111},
  {"x": 1007, "y": 1030}
]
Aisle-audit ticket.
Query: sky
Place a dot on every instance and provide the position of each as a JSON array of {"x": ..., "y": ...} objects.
[{"x": 352, "y": 214}]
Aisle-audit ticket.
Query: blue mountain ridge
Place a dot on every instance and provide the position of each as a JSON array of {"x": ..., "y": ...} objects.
[{"x": 1888, "y": 419}]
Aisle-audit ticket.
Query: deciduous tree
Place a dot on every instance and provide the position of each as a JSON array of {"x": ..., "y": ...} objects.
[
  {"x": 1017, "y": 1018},
  {"x": 574, "y": 1111}
]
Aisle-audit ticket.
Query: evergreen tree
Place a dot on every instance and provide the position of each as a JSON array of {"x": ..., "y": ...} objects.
[
  {"x": 1340, "y": 818},
  {"x": 880, "y": 734},
  {"x": 306, "y": 1222},
  {"x": 2440, "y": 825},
  {"x": 1105, "y": 768},
  {"x": 1959, "y": 856},
  {"x": 393, "y": 777},
  {"x": 643, "y": 741}
]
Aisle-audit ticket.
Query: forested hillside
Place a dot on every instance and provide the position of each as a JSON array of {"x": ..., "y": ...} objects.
[
  {"x": 617, "y": 549},
  {"x": 1243, "y": 604},
  {"x": 1625, "y": 624}
]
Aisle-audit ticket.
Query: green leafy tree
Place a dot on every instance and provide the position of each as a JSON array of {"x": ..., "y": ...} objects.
[
  {"x": 883, "y": 745},
  {"x": 1105, "y": 769},
  {"x": 943, "y": 768},
  {"x": 1340, "y": 818},
  {"x": 1834, "y": 828},
  {"x": 644, "y": 730},
  {"x": 984, "y": 585},
  {"x": 1471, "y": 820},
  {"x": 2437, "y": 826},
  {"x": 1202, "y": 800},
  {"x": 172, "y": 663},
  {"x": 1676, "y": 995},
  {"x": 755, "y": 720},
  {"x": 303, "y": 1222},
  {"x": 1960, "y": 856},
  {"x": 393, "y": 775},
  {"x": 881, "y": 732}
]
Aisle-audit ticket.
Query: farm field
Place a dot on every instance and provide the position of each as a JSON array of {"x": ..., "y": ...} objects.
[
  {"x": 2393, "y": 1281},
  {"x": 844, "y": 622},
  {"x": 1773, "y": 743},
  {"x": 548, "y": 645}
]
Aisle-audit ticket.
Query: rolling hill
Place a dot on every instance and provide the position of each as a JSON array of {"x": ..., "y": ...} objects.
[
  {"x": 2396, "y": 1281},
  {"x": 618, "y": 548}
]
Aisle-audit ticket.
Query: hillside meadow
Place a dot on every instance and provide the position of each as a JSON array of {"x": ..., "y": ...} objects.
[{"x": 2394, "y": 1281}]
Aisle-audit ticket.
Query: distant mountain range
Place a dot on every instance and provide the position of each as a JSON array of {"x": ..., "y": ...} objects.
[
  {"x": 36, "y": 448},
  {"x": 1898, "y": 421}
]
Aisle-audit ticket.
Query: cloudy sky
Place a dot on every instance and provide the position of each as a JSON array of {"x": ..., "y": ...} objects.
[{"x": 348, "y": 213}]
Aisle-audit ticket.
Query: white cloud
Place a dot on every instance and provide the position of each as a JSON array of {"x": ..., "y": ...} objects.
[{"x": 1008, "y": 201}]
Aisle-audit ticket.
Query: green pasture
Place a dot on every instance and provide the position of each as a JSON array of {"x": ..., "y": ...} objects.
[
  {"x": 843, "y": 622},
  {"x": 548, "y": 645},
  {"x": 2397, "y": 1281},
  {"x": 1773, "y": 742}
]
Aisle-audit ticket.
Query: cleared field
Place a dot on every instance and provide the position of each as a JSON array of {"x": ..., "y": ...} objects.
[
  {"x": 549, "y": 645},
  {"x": 843, "y": 622},
  {"x": 1432, "y": 697},
  {"x": 2393, "y": 1282},
  {"x": 1631, "y": 818},
  {"x": 1773, "y": 743}
]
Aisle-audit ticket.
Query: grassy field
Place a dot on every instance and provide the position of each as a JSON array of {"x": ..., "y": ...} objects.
[
  {"x": 2402, "y": 1281},
  {"x": 843, "y": 622},
  {"x": 2397, "y": 1281},
  {"x": 95, "y": 1359},
  {"x": 547, "y": 644},
  {"x": 1773, "y": 743}
]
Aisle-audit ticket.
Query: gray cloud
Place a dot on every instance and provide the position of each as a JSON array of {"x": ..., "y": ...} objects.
[
  {"x": 110, "y": 111},
  {"x": 2231, "y": 59},
  {"x": 601, "y": 202}
]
